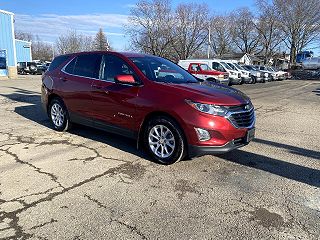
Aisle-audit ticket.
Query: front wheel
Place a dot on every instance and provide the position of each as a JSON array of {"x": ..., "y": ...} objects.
[
  {"x": 164, "y": 140},
  {"x": 59, "y": 116}
]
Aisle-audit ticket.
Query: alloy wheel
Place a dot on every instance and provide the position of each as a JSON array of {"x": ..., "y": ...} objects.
[
  {"x": 57, "y": 115},
  {"x": 161, "y": 141}
]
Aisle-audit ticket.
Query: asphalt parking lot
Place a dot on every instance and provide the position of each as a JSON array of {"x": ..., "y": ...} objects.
[{"x": 88, "y": 184}]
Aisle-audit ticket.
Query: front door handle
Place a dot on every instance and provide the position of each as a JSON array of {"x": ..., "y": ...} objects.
[{"x": 64, "y": 79}]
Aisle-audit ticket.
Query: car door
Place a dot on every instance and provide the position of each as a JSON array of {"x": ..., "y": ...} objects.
[
  {"x": 75, "y": 84},
  {"x": 113, "y": 104},
  {"x": 196, "y": 71}
]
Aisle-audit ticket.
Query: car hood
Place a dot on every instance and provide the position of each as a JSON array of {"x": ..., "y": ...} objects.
[{"x": 211, "y": 93}]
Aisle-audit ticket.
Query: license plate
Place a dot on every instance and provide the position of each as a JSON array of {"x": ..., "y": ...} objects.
[{"x": 250, "y": 134}]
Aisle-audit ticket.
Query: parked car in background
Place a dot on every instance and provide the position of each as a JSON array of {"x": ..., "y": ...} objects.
[
  {"x": 311, "y": 64},
  {"x": 234, "y": 75},
  {"x": 280, "y": 74},
  {"x": 166, "y": 109},
  {"x": 256, "y": 75},
  {"x": 31, "y": 68},
  {"x": 219, "y": 65},
  {"x": 203, "y": 71},
  {"x": 272, "y": 73},
  {"x": 245, "y": 75}
]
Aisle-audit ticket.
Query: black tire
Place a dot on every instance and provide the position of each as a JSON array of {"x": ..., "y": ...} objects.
[
  {"x": 180, "y": 149},
  {"x": 66, "y": 124}
]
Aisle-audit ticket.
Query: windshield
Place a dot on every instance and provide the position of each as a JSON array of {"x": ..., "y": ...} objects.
[
  {"x": 232, "y": 66},
  {"x": 226, "y": 66},
  {"x": 238, "y": 66},
  {"x": 162, "y": 70}
]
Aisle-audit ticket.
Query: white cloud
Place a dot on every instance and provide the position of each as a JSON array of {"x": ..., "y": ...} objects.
[
  {"x": 130, "y": 6},
  {"x": 49, "y": 26}
]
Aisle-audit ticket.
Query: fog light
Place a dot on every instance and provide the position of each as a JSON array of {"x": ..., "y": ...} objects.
[{"x": 203, "y": 134}]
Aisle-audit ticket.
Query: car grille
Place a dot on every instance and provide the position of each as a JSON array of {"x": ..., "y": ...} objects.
[
  {"x": 226, "y": 76},
  {"x": 239, "y": 75},
  {"x": 242, "y": 118}
]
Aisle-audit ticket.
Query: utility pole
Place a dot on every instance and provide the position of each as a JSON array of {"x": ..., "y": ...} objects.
[{"x": 209, "y": 41}]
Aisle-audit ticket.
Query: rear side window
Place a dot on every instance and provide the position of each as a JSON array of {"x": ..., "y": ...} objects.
[
  {"x": 57, "y": 62},
  {"x": 85, "y": 66},
  {"x": 88, "y": 65}
]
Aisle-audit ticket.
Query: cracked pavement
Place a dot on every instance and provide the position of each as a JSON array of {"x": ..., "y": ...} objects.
[{"x": 88, "y": 184}]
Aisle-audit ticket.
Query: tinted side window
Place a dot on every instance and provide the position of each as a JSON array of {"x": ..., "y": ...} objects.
[
  {"x": 113, "y": 66},
  {"x": 195, "y": 67},
  {"x": 57, "y": 62},
  {"x": 88, "y": 65},
  {"x": 218, "y": 67},
  {"x": 70, "y": 67}
]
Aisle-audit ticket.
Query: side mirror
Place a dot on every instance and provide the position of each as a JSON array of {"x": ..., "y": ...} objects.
[{"x": 125, "y": 79}]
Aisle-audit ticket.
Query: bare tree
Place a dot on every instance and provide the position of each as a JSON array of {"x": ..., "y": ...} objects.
[
  {"x": 268, "y": 26},
  {"x": 101, "y": 42},
  {"x": 220, "y": 35},
  {"x": 244, "y": 33},
  {"x": 150, "y": 27},
  {"x": 74, "y": 42},
  {"x": 25, "y": 36},
  {"x": 40, "y": 50},
  {"x": 300, "y": 22},
  {"x": 190, "y": 30}
]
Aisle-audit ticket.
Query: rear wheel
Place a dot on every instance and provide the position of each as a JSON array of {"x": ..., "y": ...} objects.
[
  {"x": 164, "y": 140},
  {"x": 59, "y": 115}
]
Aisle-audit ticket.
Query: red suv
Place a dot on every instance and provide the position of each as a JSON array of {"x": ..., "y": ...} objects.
[{"x": 167, "y": 110}]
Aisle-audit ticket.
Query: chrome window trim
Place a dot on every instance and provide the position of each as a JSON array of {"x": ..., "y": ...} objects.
[
  {"x": 98, "y": 79},
  {"x": 70, "y": 74}
]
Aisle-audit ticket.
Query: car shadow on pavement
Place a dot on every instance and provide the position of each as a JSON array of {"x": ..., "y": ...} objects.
[
  {"x": 291, "y": 149},
  {"x": 317, "y": 91},
  {"x": 278, "y": 167},
  {"x": 33, "y": 111}
]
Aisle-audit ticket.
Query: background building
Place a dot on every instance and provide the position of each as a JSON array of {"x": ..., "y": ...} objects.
[{"x": 12, "y": 51}]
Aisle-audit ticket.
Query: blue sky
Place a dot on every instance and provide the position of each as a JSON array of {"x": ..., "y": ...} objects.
[{"x": 49, "y": 19}]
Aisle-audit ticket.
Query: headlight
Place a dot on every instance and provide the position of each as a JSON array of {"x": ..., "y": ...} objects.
[
  {"x": 233, "y": 73},
  {"x": 208, "y": 108}
]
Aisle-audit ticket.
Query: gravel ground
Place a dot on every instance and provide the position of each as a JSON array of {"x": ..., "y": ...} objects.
[{"x": 88, "y": 184}]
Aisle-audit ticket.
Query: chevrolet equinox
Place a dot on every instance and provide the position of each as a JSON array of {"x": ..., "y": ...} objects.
[{"x": 168, "y": 111}]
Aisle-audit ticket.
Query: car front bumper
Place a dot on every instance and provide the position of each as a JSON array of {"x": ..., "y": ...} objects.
[
  {"x": 197, "y": 151},
  {"x": 246, "y": 79},
  {"x": 235, "y": 80},
  {"x": 223, "y": 81}
]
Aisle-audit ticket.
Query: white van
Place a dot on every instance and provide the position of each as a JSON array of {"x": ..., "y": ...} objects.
[
  {"x": 245, "y": 75},
  {"x": 218, "y": 65}
]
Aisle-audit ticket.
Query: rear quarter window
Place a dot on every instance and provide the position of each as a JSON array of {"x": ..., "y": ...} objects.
[{"x": 57, "y": 62}]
